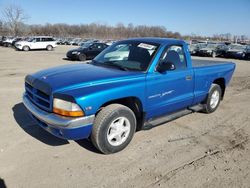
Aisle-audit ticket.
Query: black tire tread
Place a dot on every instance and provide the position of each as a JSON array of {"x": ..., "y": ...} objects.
[
  {"x": 206, "y": 105},
  {"x": 100, "y": 118},
  {"x": 82, "y": 59}
]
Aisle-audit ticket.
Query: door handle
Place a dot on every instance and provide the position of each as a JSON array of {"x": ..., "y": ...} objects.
[{"x": 188, "y": 77}]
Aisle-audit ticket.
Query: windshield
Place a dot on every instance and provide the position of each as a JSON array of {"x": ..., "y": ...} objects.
[
  {"x": 212, "y": 45},
  {"x": 86, "y": 45},
  {"x": 237, "y": 47},
  {"x": 127, "y": 55},
  {"x": 30, "y": 39},
  {"x": 201, "y": 45}
]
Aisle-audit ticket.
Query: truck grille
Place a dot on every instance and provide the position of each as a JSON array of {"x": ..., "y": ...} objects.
[{"x": 38, "y": 97}]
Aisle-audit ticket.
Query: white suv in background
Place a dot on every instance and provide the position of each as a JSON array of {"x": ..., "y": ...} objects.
[{"x": 36, "y": 43}]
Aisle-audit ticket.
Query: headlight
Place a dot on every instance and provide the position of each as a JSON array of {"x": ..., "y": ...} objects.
[
  {"x": 239, "y": 52},
  {"x": 66, "y": 108},
  {"x": 75, "y": 52}
]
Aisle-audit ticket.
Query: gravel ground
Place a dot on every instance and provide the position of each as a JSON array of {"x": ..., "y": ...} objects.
[{"x": 197, "y": 150}]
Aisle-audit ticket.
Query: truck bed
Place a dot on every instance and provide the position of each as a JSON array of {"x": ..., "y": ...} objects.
[{"x": 205, "y": 63}]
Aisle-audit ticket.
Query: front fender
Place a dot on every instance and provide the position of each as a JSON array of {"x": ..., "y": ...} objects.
[{"x": 92, "y": 97}]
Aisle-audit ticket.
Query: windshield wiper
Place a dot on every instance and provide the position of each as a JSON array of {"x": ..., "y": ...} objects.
[
  {"x": 113, "y": 64},
  {"x": 110, "y": 64}
]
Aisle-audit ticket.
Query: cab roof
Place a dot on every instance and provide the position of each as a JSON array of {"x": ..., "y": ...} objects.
[{"x": 161, "y": 41}]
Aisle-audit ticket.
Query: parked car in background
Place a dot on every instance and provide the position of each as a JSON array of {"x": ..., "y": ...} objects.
[
  {"x": 237, "y": 51},
  {"x": 34, "y": 43},
  {"x": 16, "y": 40},
  {"x": 75, "y": 41},
  {"x": 110, "y": 42},
  {"x": 86, "y": 52},
  {"x": 209, "y": 50},
  {"x": 2, "y": 39},
  {"x": 221, "y": 50},
  {"x": 8, "y": 41},
  {"x": 194, "y": 48},
  {"x": 213, "y": 50},
  {"x": 66, "y": 41},
  {"x": 248, "y": 52},
  {"x": 59, "y": 41}
]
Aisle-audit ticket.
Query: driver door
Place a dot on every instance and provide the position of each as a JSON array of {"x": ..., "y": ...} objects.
[
  {"x": 171, "y": 90},
  {"x": 94, "y": 50},
  {"x": 36, "y": 43}
]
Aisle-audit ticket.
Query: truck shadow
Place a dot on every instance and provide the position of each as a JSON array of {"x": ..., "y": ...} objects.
[
  {"x": 87, "y": 144},
  {"x": 29, "y": 126},
  {"x": 23, "y": 119}
]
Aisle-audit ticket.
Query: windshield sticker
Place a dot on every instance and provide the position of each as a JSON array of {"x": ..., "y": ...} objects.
[{"x": 146, "y": 46}]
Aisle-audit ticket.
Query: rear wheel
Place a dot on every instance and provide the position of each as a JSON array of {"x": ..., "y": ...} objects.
[
  {"x": 213, "y": 99},
  {"x": 82, "y": 57},
  {"x": 49, "y": 47},
  {"x": 26, "y": 48},
  {"x": 113, "y": 129}
]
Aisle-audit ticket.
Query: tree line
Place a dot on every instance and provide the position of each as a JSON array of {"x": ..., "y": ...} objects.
[
  {"x": 93, "y": 30},
  {"x": 14, "y": 18}
]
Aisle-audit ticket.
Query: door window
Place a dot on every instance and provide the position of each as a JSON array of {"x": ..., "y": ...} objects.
[
  {"x": 94, "y": 47},
  {"x": 175, "y": 55},
  {"x": 38, "y": 39}
]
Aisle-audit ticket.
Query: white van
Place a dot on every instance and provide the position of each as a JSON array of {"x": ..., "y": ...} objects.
[{"x": 36, "y": 43}]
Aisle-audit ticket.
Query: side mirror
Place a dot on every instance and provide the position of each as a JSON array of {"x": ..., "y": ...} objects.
[{"x": 165, "y": 66}]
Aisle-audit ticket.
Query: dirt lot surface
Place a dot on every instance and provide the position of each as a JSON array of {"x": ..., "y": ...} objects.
[{"x": 197, "y": 150}]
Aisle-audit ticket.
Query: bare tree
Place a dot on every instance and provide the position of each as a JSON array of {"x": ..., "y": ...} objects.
[{"x": 15, "y": 17}]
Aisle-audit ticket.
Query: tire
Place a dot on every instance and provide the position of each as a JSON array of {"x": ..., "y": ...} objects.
[
  {"x": 243, "y": 56},
  {"x": 213, "y": 54},
  {"x": 82, "y": 57},
  {"x": 49, "y": 47},
  {"x": 113, "y": 129},
  {"x": 26, "y": 48},
  {"x": 213, "y": 99}
]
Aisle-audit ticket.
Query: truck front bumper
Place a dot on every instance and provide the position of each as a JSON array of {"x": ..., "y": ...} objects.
[{"x": 60, "y": 126}]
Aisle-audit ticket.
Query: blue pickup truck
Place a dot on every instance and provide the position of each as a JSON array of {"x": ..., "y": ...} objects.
[{"x": 132, "y": 85}]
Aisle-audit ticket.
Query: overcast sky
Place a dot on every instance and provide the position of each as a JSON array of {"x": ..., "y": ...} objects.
[{"x": 200, "y": 17}]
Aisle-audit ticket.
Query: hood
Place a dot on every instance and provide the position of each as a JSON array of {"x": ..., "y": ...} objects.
[
  {"x": 76, "y": 50},
  {"x": 235, "y": 50},
  {"x": 74, "y": 76},
  {"x": 207, "y": 49}
]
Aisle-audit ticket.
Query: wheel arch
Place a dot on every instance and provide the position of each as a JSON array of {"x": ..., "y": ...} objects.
[
  {"x": 134, "y": 103},
  {"x": 222, "y": 83}
]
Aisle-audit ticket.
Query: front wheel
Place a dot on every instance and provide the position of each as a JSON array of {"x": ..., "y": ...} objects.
[
  {"x": 113, "y": 129},
  {"x": 26, "y": 48},
  {"x": 213, "y": 99},
  {"x": 82, "y": 57},
  {"x": 243, "y": 56},
  {"x": 213, "y": 54}
]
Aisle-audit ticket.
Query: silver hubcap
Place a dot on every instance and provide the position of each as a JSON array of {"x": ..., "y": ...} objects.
[
  {"x": 214, "y": 99},
  {"x": 118, "y": 131}
]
